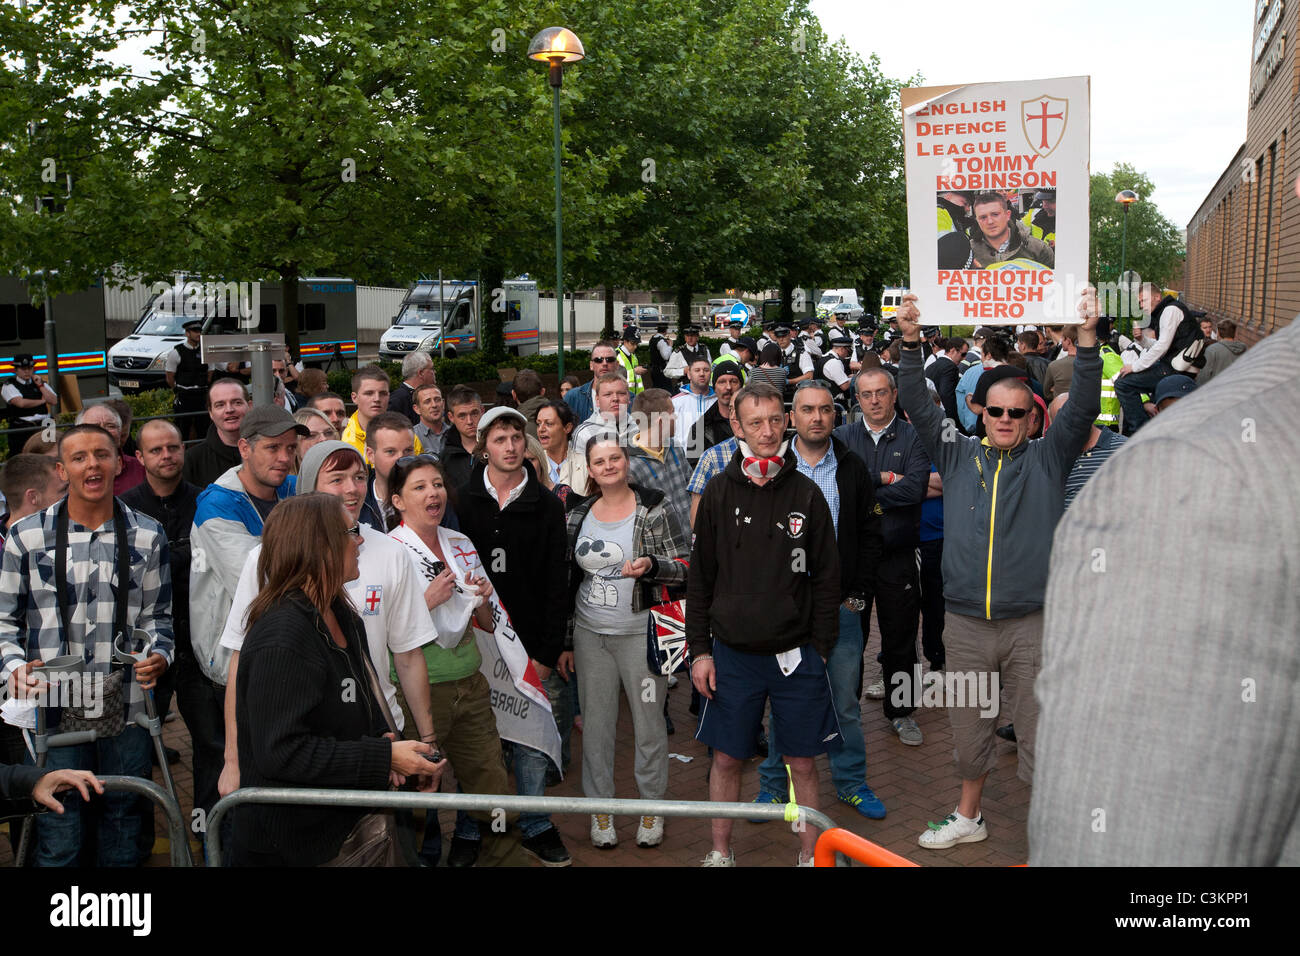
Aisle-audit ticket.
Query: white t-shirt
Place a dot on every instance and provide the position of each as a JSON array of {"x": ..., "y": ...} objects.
[
  {"x": 388, "y": 594},
  {"x": 835, "y": 370},
  {"x": 174, "y": 360},
  {"x": 36, "y": 413}
]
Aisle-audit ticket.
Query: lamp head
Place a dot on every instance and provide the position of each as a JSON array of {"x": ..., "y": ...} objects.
[{"x": 556, "y": 46}]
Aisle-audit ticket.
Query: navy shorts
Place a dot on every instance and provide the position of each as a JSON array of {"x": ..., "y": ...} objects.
[{"x": 803, "y": 715}]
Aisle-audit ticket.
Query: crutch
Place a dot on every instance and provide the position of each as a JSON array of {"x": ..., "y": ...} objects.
[
  {"x": 56, "y": 672},
  {"x": 149, "y": 720}
]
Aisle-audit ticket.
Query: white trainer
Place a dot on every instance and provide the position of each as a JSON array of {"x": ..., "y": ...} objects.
[
  {"x": 954, "y": 830},
  {"x": 650, "y": 832},
  {"x": 876, "y": 689},
  {"x": 603, "y": 834},
  {"x": 800, "y": 861},
  {"x": 715, "y": 858}
]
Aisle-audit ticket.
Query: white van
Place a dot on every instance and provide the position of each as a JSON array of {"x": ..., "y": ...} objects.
[
  {"x": 890, "y": 300},
  {"x": 844, "y": 301}
]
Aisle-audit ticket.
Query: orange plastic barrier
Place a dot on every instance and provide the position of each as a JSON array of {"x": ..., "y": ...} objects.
[{"x": 852, "y": 845}]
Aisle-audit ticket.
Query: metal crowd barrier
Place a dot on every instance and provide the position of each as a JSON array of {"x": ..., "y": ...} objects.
[
  {"x": 178, "y": 835},
  {"x": 374, "y": 799}
]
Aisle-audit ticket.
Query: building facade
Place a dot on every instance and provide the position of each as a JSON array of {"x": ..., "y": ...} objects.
[{"x": 1243, "y": 244}]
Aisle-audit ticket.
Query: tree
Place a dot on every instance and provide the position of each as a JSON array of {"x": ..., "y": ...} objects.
[{"x": 1154, "y": 248}]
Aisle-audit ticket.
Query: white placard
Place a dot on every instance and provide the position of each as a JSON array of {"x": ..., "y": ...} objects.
[{"x": 997, "y": 200}]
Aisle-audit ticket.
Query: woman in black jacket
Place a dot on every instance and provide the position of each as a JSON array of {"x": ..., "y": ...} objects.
[{"x": 307, "y": 714}]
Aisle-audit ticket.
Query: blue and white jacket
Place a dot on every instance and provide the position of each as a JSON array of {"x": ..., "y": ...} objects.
[{"x": 226, "y": 527}]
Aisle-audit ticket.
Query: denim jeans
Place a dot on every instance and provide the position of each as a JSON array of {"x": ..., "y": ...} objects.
[
  {"x": 1131, "y": 387},
  {"x": 847, "y": 756},
  {"x": 59, "y": 836},
  {"x": 529, "y": 766}
]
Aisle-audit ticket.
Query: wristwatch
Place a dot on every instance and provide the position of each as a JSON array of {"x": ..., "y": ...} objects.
[{"x": 855, "y": 603}]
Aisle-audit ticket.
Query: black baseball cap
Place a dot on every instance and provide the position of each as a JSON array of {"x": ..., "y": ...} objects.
[
  {"x": 745, "y": 342},
  {"x": 993, "y": 375}
]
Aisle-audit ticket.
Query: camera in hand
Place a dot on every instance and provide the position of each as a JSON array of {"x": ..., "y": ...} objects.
[{"x": 435, "y": 757}]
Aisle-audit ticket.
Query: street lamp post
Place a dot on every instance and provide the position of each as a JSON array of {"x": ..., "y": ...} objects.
[
  {"x": 1126, "y": 198},
  {"x": 557, "y": 46}
]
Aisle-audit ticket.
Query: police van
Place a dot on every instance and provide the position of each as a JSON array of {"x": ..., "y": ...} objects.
[
  {"x": 890, "y": 300},
  {"x": 445, "y": 320},
  {"x": 327, "y": 323},
  {"x": 79, "y": 321}
]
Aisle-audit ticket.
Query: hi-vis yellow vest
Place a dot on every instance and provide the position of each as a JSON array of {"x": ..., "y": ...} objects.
[
  {"x": 1037, "y": 231},
  {"x": 634, "y": 384},
  {"x": 1111, "y": 363}
]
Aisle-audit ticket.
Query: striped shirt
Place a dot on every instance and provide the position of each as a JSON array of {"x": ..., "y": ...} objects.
[
  {"x": 30, "y": 624},
  {"x": 1086, "y": 465}
]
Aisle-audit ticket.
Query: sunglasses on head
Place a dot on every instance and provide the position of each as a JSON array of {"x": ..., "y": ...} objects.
[
  {"x": 996, "y": 411},
  {"x": 407, "y": 461}
]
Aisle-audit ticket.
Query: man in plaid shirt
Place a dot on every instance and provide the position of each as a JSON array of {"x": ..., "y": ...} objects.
[{"x": 31, "y": 630}]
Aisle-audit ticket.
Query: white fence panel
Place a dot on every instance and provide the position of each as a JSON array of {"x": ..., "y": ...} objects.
[
  {"x": 126, "y": 303},
  {"x": 377, "y": 306}
]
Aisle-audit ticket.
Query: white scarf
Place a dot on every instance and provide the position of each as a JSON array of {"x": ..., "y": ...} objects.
[
  {"x": 451, "y": 617},
  {"x": 520, "y": 704}
]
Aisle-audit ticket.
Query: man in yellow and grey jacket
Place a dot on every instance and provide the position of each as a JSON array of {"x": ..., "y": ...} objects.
[{"x": 1003, "y": 495}]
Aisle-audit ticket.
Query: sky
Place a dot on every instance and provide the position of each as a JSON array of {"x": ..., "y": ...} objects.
[{"x": 1170, "y": 78}]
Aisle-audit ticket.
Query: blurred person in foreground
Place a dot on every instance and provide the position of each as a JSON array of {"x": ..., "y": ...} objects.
[
  {"x": 1207, "y": 674},
  {"x": 296, "y": 727}
]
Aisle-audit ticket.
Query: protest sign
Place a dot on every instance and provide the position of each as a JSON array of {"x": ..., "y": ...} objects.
[{"x": 1005, "y": 168}]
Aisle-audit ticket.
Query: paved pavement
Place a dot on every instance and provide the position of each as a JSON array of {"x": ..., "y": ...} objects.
[{"x": 917, "y": 784}]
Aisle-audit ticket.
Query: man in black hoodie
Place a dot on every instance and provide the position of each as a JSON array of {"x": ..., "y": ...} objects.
[
  {"x": 764, "y": 584},
  {"x": 518, "y": 527},
  {"x": 846, "y": 484},
  {"x": 219, "y": 451}
]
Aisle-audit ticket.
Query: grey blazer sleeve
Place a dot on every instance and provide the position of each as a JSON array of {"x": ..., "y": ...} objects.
[{"x": 1167, "y": 730}]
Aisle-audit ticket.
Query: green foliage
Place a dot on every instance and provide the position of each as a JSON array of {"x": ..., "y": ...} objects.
[
  {"x": 706, "y": 144},
  {"x": 1154, "y": 247}
]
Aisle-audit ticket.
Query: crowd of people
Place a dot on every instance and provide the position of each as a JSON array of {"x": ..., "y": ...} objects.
[{"x": 429, "y": 585}]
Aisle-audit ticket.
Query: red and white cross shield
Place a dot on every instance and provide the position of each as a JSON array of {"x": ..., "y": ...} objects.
[
  {"x": 374, "y": 597},
  {"x": 794, "y": 521},
  {"x": 1043, "y": 121}
]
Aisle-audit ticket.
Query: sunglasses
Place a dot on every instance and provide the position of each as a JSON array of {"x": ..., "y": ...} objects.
[
  {"x": 407, "y": 461},
  {"x": 605, "y": 361},
  {"x": 355, "y": 531},
  {"x": 1015, "y": 414}
]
